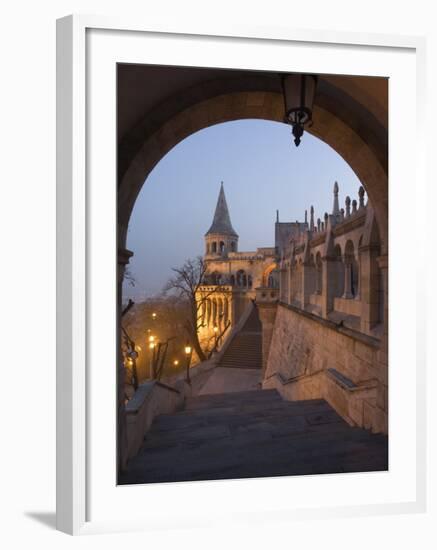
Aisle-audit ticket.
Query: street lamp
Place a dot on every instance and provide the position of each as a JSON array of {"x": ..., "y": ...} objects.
[
  {"x": 176, "y": 362},
  {"x": 188, "y": 351},
  {"x": 299, "y": 91},
  {"x": 153, "y": 315}
]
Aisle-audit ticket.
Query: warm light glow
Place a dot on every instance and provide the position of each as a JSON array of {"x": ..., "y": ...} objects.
[
  {"x": 175, "y": 362},
  {"x": 151, "y": 338},
  {"x": 137, "y": 348},
  {"x": 153, "y": 315},
  {"x": 215, "y": 328},
  {"x": 151, "y": 345},
  {"x": 187, "y": 350}
]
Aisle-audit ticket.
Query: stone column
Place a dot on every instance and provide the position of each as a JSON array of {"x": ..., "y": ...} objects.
[
  {"x": 318, "y": 290},
  {"x": 267, "y": 315},
  {"x": 328, "y": 284},
  {"x": 290, "y": 285},
  {"x": 358, "y": 289},
  {"x": 307, "y": 283},
  {"x": 347, "y": 279},
  {"x": 124, "y": 256},
  {"x": 369, "y": 285}
]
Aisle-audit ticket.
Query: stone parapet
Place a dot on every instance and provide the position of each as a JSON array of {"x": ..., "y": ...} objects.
[{"x": 310, "y": 357}]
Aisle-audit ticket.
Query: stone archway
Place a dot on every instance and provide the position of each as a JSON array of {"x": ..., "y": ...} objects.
[
  {"x": 267, "y": 272},
  {"x": 346, "y": 116},
  {"x": 350, "y": 114}
]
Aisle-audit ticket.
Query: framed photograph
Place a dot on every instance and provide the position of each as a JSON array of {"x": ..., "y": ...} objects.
[{"x": 235, "y": 315}]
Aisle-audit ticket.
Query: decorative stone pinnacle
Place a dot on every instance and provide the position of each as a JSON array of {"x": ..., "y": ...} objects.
[
  {"x": 354, "y": 206},
  {"x": 306, "y": 216},
  {"x": 361, "y": 196},
  {"x": 335, "y": 207},
  {"x": 312, "y": 218},
  {"x": 348, "y": 206},
  {"x": 318, "y": 224},
  {"x": 342, "y": 214}
]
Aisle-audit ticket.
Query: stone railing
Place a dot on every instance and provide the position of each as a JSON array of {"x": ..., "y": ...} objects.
[{"x": 151, "y": 399}]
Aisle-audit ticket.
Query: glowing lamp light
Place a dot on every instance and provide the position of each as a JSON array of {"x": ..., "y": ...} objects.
[
  {"x": 187, "y": 349},
  {"x": 153, "y": 315},
  {"x": 151, "y": 345},
  {"x": 151, "y": 338},
  {"x": 175, "y": 362},
  {"x": 138, "y": 348},
  {"x": 215, "y": 328}
]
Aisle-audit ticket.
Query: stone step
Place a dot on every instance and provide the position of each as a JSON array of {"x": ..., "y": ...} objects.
[{"x": 253, "y": 434}]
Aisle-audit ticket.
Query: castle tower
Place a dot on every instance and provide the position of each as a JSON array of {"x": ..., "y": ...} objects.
[{"x": 221, "y": 238}]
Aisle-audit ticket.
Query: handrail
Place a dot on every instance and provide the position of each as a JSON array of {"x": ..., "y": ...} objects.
[{"x": 337, "y": 376}]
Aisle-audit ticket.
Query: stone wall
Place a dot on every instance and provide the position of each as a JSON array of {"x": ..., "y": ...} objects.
[{"x": 312, "y": 358}]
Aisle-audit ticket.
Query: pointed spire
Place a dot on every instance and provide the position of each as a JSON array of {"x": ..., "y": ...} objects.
[
  {"x": 318, "y": 224},
  {"x": 354, "y": 206},
  {"x": 335, "y": 207},
  {"x": 277, "y": 216},
  {"x": 222, "y": 221},
  {"x": 306, "y": 217}
]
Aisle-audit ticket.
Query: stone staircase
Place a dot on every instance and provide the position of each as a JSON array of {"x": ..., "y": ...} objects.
[
  {"x": 245, "y": 351},
  {"x": 253, "y": 434}
]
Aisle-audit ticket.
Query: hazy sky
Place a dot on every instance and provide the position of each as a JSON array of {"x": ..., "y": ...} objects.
[{"x": 262, "y": 171}]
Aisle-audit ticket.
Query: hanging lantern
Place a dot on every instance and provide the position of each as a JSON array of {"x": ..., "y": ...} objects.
[{"x": 299, "y": 91}]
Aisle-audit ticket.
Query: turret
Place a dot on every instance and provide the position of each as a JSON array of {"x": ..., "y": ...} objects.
[{"x": 221, "y": 238}]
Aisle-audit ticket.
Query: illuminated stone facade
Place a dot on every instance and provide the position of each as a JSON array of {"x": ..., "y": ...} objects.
[{"x": 232, "y": 276}]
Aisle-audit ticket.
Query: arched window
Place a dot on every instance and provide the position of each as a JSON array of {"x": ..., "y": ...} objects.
[
  {"x": 232, "y": 280},
  {"x": 233, "y": 246},
  {"x": 222, "y": 247},
  {"x": 214, "y": 247},
  {"x": 207, "y": 248},
  {"x": 241, "y": 278},
  {"x": 215, "y": 278}
]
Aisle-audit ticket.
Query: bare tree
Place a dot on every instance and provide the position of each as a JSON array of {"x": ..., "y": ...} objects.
[
  {"x": 128, "y": 277},
  {"x": 186, "y": 284}
]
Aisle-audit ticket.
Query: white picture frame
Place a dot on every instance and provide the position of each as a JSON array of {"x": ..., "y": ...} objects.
[{"x": 77, "y": 238}]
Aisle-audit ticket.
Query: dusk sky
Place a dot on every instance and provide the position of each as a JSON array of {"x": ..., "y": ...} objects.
[{"x": 262, "y": 171}]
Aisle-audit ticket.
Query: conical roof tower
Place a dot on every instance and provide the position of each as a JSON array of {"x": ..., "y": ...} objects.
[
  {"x": 221, "y": 238},
  {"x": 221, "y": 224}
]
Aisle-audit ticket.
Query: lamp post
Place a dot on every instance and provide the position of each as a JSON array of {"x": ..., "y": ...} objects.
[
  {"x": 299, "y": 91},
  {"x": 188, "y": 352},
  {"x": 152, "y": 346}
]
